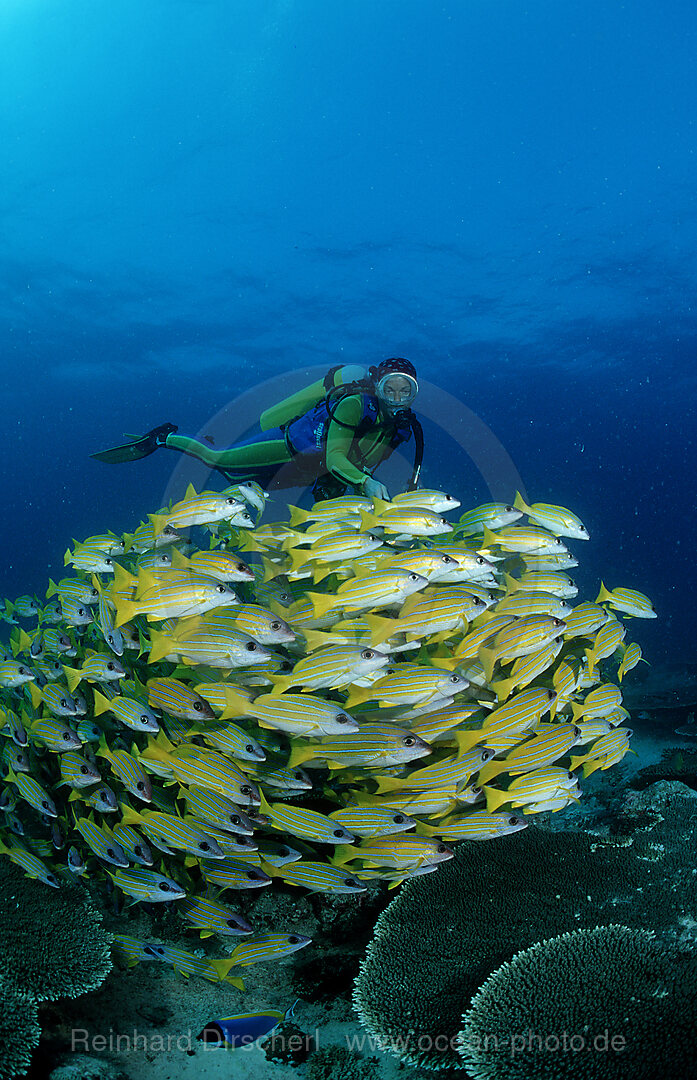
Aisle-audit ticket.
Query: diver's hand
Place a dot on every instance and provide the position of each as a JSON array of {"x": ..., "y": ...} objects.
[{"x": 375, "y": 490}]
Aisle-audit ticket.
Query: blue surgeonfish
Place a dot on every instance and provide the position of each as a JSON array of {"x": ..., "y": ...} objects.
[{"x": 242, "y": 1030}]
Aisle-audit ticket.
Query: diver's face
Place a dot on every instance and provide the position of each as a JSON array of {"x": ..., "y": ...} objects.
[{"x": 396, "y": 392}]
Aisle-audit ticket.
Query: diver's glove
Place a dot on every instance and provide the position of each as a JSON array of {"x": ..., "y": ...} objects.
[{"x": 375, "y": 490}]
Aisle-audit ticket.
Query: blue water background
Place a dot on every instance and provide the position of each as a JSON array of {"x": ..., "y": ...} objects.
[{"x": 198, "y": 196}]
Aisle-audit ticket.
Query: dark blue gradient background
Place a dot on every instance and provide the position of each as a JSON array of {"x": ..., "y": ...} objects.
[{"x": 198, "y": 196}]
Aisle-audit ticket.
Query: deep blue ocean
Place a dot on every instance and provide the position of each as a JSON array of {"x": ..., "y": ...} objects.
[{"x": 207, "y": 203}]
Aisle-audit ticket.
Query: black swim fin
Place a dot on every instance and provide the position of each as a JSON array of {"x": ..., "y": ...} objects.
[{"x": 137, "y": 448}]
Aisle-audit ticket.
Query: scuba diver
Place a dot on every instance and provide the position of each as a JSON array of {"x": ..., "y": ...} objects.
[{"x": 332, "y": 434}]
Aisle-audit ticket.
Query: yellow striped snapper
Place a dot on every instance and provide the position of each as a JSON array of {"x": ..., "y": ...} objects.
[
  {"x": 584, "y": 620},
  {"x": 527, "y": 668},
  {"x": 103, "y": 799},
  {"x": 470, "y": 565},
  {"x": 547, "y": 564},
  {"x": 374, "y": 590},
  {"x": 224, "y": 700},
  {"x": 218, "y": 811},
  {"x": 194, "y": 509},
  {"x": 147, "y": 885},
  {"x": 222, "y": 565},
  {"x": 451, "y": 773},
  {"x": 186, "y": 963},
  {"x": 628, "y": 601},
  {"x": 554, "y": 802},
  {"x": 557, "y": 519},
  {"x": 213, "y": 918},
  {"x": 88, "y": 556},
  {"x": 565, "y": 679},
  {"x": 520, "y": 638},
  {"x": 196, "y": 766},
  {"x": 593, "y": 729},
  {"x": 373, "y": 745},
  {"x": 215, "y": 646},
  {"x": 235, "y": 741},
  {"x": 156, "y": 560},
  {"x": 471, "y": 643},
  {"x": 174, "y": 596},
  {"x": 245, "y": 847},
  {"x": 233, "y": 874},
  {"x": 534, "y": 753},
  {"x": 606, "y": 642},
  {"x": 445, "y": 608},
  {"x": 109, "y": 543},
  {"x": 30, "y": 863},
  {"x": 130, "y": 712},
  {"x": 409, "y": 684},
  {"x": 607, "y": 751},
  {"x": 174, "y": 831},
  {"x": 300, "y": 714},
  {"x": 373, "y": 820},
  {"x": 13, "y": 674},
  {"x": 251, "y": 493},
  {"x": 316, "y": 877},
  {"x": 474, "y": 825},
  {"x": 439, "y": 726},
  {"x": 521, "y": 713},
  {"x": 14, "y": 727},
  {"x": 133, "y": 844},
  {"x": 523, "y": 538},
  {"x": 340, "y": 547},
  {"x": 75, "y": 589},
  {"x": 263, "y": 625},
  {"x": 25, "y": 607},
  {"x": 598, "y": 702},
  {"x": 490, "y": 515},
  {"x": 16, "y": 758},
  {"x": 306, "y": 824},
  {"x": 145, "y": 539},
  {"x": 405, "y": 521},
  {"x": 531, "y": 787},
  {"x": 428, "y": 802},
  {"x": 331, "y": 667},
  {"x": 430, "y": 563},
  {"x": 630, "y": 658},
  {"x": 400, "y": 851},
  {"x": 128, "y": 769},
  {"x": 55, "y": 641},
  {"x": 521, "y": 603},
  {"x": 555, "y": 582},
  {"x": 283, "y": 781},
  {"x": 76, "y": 771},
  {"x": 263, "y": 947},
  {"x": 55, "y": 697},
  {"x": 330, "y": 508},
  {"x": 51, "y": 615},
  {"x": 101, "y": 841},
  {"x": 31, "y": 791},
  {"x": 426, "y": 498},
  {"x": 97, "y": 667},
  {"x": 105, "y": 622},
  {"x": 173, "y": 697}
]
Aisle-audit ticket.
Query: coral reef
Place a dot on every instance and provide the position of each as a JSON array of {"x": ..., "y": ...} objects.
[
  {"x": 443, "y": 935},
  {"x": 52, "y": 942},
  {"x": 19, "y": 1031},
  {"x": 616, "y": 993}
]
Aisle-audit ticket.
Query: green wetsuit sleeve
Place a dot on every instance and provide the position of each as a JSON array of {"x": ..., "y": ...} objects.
[{"x": 341, "y": 439}]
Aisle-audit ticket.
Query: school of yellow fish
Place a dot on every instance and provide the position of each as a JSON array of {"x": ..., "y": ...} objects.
[{"x": 330, "y": 700}]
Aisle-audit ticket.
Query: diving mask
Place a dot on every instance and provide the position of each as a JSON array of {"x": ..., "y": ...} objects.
[{"x": 396, "y": 390}]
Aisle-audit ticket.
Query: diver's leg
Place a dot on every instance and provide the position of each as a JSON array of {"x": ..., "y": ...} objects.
[{"x": 247, "y": 456}]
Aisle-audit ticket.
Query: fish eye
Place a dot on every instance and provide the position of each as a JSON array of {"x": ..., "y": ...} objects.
[
  {"x": 251, "y": 646},
  {"x": 409, "y": 740},
  {"x": 64, "y": 703},
  {"x": 84, "y": 770},
  {"x": 572, "y": 582},
  {"x": 413, "y": 577},
  {"x": 253, "y": 875},
  {"x": 367, "y": 654},
  {"x": 240, "y": 566},
  {"x": 110, "y": 639},
  {"x": 231, "y": 502},
  {"x": 441, "y": 848},
  {"x": 350, "y": 881},
  {"x": 341, "y": 718},
  {"x": 144, "y": 719},
  {"x": 231, "y": 922},
  {"x": 275, "y": 626},
  {"x": 557, "y": 622},
  {"x": 138, "y": 850},
  {"x": 293, "y": 939},
  {"x": 198, "y": 706},
  {"x": 220, "y": 589},
  {"x": 284, "y": 851},
  {"x": 245, "y": 789},
  {"x": 509, "y": 509},
  {"x": 338, "y": 832},
  {"x": 513, "y": 820},
  {"x": 398, "y": 819},
  {"x": 140, "y": 785},
  {"x": 110, "y": 666},
  {"x": 164, "y": 886},
  {"x": 454, "y": 679},
  {"x": 23, "y": 671},
  {"x": 111, "y": 853},
  {"x": 249, "y": 748},
  {"x": 205, "y": 846},
  {"x": 46, "y": 806},
  {"x": 477, "y": 601}
]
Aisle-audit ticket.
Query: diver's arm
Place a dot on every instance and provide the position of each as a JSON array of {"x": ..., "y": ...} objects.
[{"x": 340, "y": 440}]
